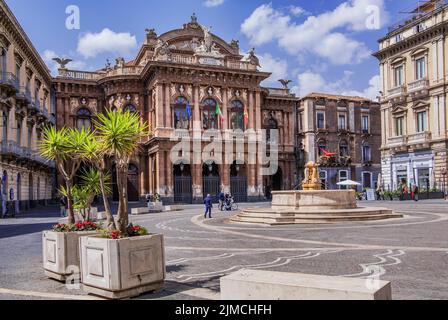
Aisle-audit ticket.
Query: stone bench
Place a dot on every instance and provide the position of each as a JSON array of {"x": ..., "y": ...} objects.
[
  {"x": 144, "y": 210},
  {"x": 268, "y": 285}
]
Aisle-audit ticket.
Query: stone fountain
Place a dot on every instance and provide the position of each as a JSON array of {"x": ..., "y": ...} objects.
[{"x": 312, "y": 205}]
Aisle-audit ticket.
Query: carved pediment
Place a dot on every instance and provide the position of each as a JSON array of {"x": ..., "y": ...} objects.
[{"x": 420, "y": 105}]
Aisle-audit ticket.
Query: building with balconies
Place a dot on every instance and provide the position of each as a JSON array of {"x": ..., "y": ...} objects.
[
  {"x": 25, "y": 108},
  {"x": 413, "y": 66},
  {"x": 341, "y": 133}
]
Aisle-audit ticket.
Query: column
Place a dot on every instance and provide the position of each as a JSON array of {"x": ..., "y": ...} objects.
[
  {"x": 258, "y": 109},
  {"x": 225, "y": 98},
  {"x": 225, "y": 176},
  {"x": 441, "y": 55},
  {"x": 251, "y": 110},
  {"x": 160, "y": 174},
  {"x": 435, "y": 117},
  {"x": 435, "y": 60},
  {"x": 150, "y": 174},
  {"x": 159, "y": 106},
  {"x": 167, "y": 114},
  {"x": 169, "y": 175},
  {"x": 196, "y": 111}
]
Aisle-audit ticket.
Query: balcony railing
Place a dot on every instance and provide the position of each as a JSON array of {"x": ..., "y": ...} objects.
[
  {"x": 418, "y": 85},
  {"x": 8, "y": 78},
  {"x": 12, "y": 149},
  {"x": 422, "y": 137},
  {"x": 396, "y": 92},
  {"x": 397, "y": 141}
]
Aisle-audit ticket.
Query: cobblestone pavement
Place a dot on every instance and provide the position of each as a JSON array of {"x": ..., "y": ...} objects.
[{"x": 412, "y": 252}]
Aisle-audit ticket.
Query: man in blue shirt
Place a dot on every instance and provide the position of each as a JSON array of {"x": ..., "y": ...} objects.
[{"x": 208, "y": 206}]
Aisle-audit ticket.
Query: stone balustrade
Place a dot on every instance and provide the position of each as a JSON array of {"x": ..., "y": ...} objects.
[
  {"x": 421, "y": 84},
  {"x": 396, "y": 92},
  {"x": 397, "y": 141},
  {"x": 422, "y": 137}
]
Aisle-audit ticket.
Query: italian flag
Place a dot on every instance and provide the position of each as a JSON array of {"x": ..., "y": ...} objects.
[
  {"x": 246, "y": 118},
  {"x": 218, "y": 112}
]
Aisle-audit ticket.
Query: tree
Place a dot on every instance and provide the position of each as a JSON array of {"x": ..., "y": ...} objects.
[
  {"x": 120, "y": 133},
  {"x": 95, "y": 154},
  {"x": 66, "y": 148}
]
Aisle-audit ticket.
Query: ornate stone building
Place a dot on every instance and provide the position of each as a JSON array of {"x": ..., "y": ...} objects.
[
  {"x": 342, "y": 134},
  {"x": 25, "y": 106},
  {"x": 413, "y": 66},
  {"x": 182, "y": 80}
]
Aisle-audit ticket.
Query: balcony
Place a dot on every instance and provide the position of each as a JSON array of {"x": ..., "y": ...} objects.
[
  {"x": 9, "y": 82},
  {"x": 422, "y": 138},
  {"x": 397, "y": 92},
  {"x": 23, "y": 155},
  {"x": 422, "y": 84},
  {"x": 398, "y": 141}
]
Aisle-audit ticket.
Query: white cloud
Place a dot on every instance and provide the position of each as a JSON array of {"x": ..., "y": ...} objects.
[
  {"x": 297, "y": 11},
  {"x": 278, "y": 68},
  {"x": 309, "y": 82},
  {"x": 48, "y": 56},
  {"x": 321, "y": 35},
  {"x": 213, "y": 3},
  {"x": 92, "y": 44}
]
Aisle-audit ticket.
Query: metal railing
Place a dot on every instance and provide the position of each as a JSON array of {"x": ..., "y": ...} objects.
[
  {"x": 8, "y": 78},
  {"x": 417, "y": 16}
]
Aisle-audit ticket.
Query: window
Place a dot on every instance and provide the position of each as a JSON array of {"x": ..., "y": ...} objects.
[
  {"x": 209, "y": 117},
  {"x": 323, "y": 178},
  {"x": 237, "y": 116},
  {"x": 343, "y": 176},
  {"x": 18, "y": 67},
  {"x": 420, "y": 68},
  {"x": 2, "y": 60},
  {"x": 19, "y": 132},
  {"x": 322, "y": 146},
  {"x": 342, "y": 123},
  {"x": 398, "y": 38},
  {"x": 5, "y": 127},
  {"x": 399, "y": 129},
  {"x": 272, "y": 130},
  {"x": 30, "y": 136},
  {"x": 422, "y": 122},
  {"x": 181, "y": 115},
  {"x": 343, "y": 149},
  {"x": 423, "y": 177},
  {"x": 366, "y": 154},
  {"x": 420, "y": 27},
  {"x": 320, "y": 120},
  {"x": 83, "y": 119},
  {"x": 398, "y": 76},
  {"x": 365, "y": 124}
]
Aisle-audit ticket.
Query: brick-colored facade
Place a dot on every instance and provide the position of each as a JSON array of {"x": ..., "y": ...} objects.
[{"x": 349, "y": 127}]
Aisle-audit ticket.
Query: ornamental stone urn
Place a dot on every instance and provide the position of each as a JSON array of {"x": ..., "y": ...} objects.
[
  {"x": 123, "y": 268},
  {"x": 61, "y": 253}
]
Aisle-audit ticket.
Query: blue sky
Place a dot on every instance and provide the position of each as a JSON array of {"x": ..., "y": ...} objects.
[{"x": 322, "y": 45}]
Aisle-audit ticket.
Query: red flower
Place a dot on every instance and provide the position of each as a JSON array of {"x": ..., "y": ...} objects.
[{"x": 137, "y": 228}]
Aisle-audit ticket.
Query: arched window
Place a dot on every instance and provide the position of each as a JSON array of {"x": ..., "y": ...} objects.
[
  {"x": 19, "y": 132},
  {"x": 321, "y": 147},
  {"x": 237, "y": 115},
  {"x": 271, "y": 125},
  {"x": 84, "y": 119},
  {"x": 182, "y": 114},
  {"x": 343, "y": 149},
  {"x": 5, "y": 127},
  {"x": 130, "y": 108},
  {"x": 209, "y": 117},
  {"x": 2, "y": 59}
]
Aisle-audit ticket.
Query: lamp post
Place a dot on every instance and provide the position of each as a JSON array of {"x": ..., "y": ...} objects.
[{"x": 444, "y": 182}]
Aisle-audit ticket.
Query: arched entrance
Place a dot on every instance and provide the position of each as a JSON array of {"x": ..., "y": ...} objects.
[
  {"x": 211, "y": 182},
  {"x": 277, "y": 180},
  {"x": 238, "y": 182},
  {"x": 183, "y": 191},
  {"x": 133, "y": 182}
]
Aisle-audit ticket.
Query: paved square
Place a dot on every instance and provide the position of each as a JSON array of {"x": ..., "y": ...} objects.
[{"x": 411, "y": 252}]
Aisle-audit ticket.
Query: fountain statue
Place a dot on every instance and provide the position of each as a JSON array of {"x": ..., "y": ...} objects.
[{"x": 312, "y": 205}]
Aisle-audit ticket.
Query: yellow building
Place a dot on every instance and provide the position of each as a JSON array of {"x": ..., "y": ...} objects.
[
  {"x": 413, "y": 67},
  {"x": 25, "y": 108}
]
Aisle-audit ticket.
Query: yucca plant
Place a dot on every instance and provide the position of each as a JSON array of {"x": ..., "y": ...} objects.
[
  {"x": 66, "y": 148},
  {"x": 120, "y": 133},
  {"x": 95, "y": 154}
]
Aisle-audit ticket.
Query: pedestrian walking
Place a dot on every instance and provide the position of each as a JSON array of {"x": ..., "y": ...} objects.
[
  {"x": 416, "y": 192},
  {"x": 63, "y": 207},
  {"x": 208, "y": 206},
  {"x": 222, "y": 199}
]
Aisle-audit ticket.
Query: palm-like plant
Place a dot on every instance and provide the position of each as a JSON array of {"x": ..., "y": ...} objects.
[
  {"x": 119, "y": 133},
  {"x": 66, "y": 148},
  {"x": 95, "y": 154}
]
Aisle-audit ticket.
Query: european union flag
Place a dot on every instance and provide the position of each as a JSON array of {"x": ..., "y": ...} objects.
[{"x": 189, "y": 111}]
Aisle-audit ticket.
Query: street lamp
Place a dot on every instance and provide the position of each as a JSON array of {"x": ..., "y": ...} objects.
[
  {"x": 444, "y": 182},
  {"x": 182, "y": 167}
]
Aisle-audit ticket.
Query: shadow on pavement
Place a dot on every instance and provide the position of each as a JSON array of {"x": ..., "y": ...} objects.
[{"x": 14, "y": 230}]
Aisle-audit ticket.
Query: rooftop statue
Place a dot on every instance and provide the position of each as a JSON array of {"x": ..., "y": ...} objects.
[{"x": 62, "y": 62}]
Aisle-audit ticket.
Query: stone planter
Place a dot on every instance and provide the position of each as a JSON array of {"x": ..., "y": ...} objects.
[
  {"x": 124, "y": 268},
  {"x": 61, "y": 251}
]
